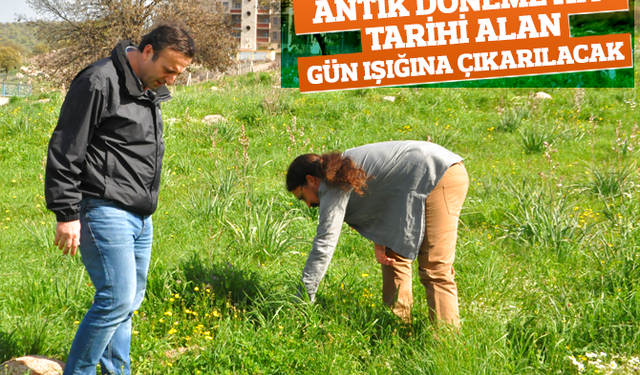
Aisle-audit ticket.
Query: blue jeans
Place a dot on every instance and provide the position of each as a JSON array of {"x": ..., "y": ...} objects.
[{"x": 116, "y": 248}]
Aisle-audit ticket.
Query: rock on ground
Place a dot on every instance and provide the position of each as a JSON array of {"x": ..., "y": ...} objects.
[
  {"x": 3, "y": 100},
  {"x": 213, "y": 118},
  {"x": 32, "y": 365},
  {"x": 542, "y": 95}
]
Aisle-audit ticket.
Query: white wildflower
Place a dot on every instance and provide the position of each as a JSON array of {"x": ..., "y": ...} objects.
[{"x": 576, "y": 363}]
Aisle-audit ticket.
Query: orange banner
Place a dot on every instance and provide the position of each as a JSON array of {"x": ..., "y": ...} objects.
[{"x": 406, "y": 42}]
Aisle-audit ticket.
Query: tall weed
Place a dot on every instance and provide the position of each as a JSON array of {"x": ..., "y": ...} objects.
[
  {"x": 608, "y": 180},
  {"x": 542, "y": 218},
  {"x": 262, "y": 231},
  {"x": 533, "y": 139},
  {"x": 513, "y": 118}
]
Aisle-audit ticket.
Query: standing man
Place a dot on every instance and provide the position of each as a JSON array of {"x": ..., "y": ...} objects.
[
  {"x": 405, "y": 197},
  {"x": 102, "y": 180}
]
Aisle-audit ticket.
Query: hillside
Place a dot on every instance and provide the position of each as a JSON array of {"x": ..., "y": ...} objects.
[{"x": 19, "y": 34}]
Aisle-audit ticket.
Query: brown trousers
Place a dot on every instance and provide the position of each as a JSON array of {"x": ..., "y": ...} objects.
[{"x": 436, "y": 256}]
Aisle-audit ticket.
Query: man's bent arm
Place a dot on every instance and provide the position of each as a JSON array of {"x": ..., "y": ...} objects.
[
  {"x": 80, "y": 113},
  {"x": 333, "y": 206}
]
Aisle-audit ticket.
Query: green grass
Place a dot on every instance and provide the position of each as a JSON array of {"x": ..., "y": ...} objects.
[{"x": 548, "y": 257}]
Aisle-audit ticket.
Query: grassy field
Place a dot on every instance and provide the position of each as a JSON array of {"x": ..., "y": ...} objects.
[{"x": 548, "y": 259}]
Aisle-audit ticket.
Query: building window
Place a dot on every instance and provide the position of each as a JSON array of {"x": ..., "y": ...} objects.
[
  {"x": 275, "y": 35},
  {"x": 237, "y": 5},
  {"x": 226, "y": 6},
  {"x": 264, "y": 34},
  {"x": 275, "y": 21}
]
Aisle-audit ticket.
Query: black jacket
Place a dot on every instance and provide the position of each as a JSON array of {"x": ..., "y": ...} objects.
[{"x": 108, "y": 141}]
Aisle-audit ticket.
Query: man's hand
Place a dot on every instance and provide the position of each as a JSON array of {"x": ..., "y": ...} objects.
[
  {"x": 68, "y": 237},
  {"x": 381, "y": 255}
]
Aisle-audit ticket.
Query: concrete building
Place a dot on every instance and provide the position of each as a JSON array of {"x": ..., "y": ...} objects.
[{"x": 257, "y": 29}]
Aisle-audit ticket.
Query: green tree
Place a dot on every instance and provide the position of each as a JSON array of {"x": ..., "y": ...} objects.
[
  {"x": 9, "y": 58},
  {"x": 15, "y": 46},
  {"x": 40, "y": 49}
]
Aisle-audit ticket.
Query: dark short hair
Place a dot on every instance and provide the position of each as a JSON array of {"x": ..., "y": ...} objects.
[{"x": 169, "y": 36}]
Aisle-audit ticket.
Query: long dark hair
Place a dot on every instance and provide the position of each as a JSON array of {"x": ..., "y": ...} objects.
[{"x": 337, "y": 171}]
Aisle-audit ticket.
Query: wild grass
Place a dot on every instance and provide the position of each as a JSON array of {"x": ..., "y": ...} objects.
[
  {"x": 513, "y": 117},
  {"x": 534, "y": 137},
  {"x": 547, "y": 264}
]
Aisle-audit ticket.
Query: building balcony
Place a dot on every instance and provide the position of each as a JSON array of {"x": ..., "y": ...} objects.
[
  {"x": 235, "y": 11},
  {"x": 263, "y": 25},
  {"x": 263, "y": 40}
]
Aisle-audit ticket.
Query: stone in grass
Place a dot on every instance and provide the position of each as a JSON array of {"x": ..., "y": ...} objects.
[
  {"x": 32, "y": 365},
  {"x": 542, "y": 95},
  {"x": 177, "y": 352},
  {"x": 214, "y": 88},
  {"x": 209, "y": 119},
  {"x": 390, "y": 98}
]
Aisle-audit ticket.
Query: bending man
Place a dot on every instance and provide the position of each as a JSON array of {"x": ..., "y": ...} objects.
[
  {"x": 405, "y": 197},
  {"x": 102, "y": 180}
]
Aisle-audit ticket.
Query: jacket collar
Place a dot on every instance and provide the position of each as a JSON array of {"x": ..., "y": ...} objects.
[{"x": 131, "y": 82}]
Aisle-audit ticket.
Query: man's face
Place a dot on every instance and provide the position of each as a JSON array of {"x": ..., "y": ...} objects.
[
  {"x": 164, "y": 69},
  {"x": 308, "y": 193}
]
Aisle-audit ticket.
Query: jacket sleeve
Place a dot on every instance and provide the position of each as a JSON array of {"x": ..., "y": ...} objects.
[
  {"x": 333, "y": 206},
  {"x": 81, "y": 112}
]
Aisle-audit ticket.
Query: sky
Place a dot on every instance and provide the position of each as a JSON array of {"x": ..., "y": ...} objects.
[{"x": 9, "y": 9}]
